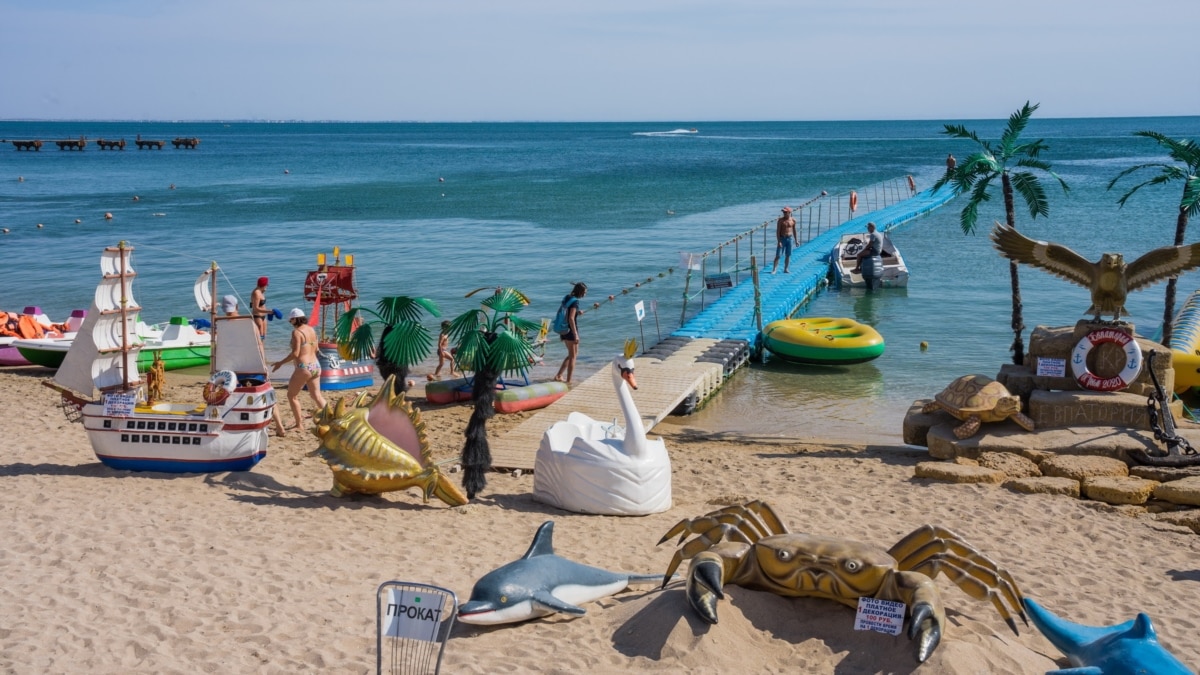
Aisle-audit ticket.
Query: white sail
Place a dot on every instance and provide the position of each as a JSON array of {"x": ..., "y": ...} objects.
[
  {"x": 238, "y": 347},
  {"x": 75, "y": 373},
  {"x": 203, "y": 289},
  {"x": 106, "y": 347}
]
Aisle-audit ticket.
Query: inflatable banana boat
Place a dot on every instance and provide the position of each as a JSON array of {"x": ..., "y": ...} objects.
[
  {"x": 1185, "y": 344},
  {"x": 822, "y": 340}
]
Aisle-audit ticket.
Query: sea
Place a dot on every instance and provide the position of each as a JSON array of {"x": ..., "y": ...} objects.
[{"x": 441, "y": 210}]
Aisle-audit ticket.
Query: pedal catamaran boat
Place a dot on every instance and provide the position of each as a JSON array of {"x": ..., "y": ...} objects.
[{"x": 129, "y": 425}]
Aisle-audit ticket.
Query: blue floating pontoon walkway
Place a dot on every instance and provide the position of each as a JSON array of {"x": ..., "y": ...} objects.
[
  {"x": 686, "y": 369},
  {"x": 731, "y": 317}
]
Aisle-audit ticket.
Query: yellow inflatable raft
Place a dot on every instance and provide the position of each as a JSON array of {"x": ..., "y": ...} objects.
[{"x": 822, "y": 340}]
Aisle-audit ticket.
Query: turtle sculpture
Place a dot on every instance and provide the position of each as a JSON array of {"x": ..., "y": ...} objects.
[{"x": 976, "y": 399}]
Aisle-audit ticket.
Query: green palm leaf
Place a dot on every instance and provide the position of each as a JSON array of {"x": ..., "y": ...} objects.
[
  {"x": 1030, "y": 188},
  {"x": 1016, "y": 124},
  {"x": 396, "y": 309},
  {"x": 508, "y": 300},
  {"x": 524, "y": 325},
  {"x": 407, "y": 343},
  {"x": 359, "y": 341},
  {"x": 345, "y": 323},
  {"x": 510, "y": 352},
  {"x": 1191, "y": 197},
  {"x": 472, "y": 350}
]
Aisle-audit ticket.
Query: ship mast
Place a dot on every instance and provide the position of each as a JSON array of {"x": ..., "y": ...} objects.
[
  {"x": 212, "y": 312},
  {"x": 124, "y": 319}
]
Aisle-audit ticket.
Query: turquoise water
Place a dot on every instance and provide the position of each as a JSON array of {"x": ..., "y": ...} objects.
[{"x": 440, "y": 209}]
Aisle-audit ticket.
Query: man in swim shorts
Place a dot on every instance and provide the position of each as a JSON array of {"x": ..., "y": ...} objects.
[{"x": 785, "y": 236}]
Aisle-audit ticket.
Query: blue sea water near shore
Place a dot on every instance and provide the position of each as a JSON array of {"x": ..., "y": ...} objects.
[{"x": 438, "y": 210}]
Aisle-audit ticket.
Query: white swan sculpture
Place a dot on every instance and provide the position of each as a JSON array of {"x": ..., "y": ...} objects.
[{"x": 592, "y": 467}]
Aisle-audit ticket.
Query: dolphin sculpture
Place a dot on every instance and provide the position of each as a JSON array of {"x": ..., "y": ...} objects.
[
  {"x": 541, "y": 583},
  {"x": 1127, "y": 648}
]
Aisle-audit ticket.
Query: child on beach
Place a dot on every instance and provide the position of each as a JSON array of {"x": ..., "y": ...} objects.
[{"x": 445, "y": 353}]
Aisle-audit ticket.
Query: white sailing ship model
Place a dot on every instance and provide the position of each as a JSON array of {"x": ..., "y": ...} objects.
[{"x": 128, "y": 428}]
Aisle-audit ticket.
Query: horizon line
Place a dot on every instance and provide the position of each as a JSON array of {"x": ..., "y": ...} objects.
[{"x": 535, "y": 121}]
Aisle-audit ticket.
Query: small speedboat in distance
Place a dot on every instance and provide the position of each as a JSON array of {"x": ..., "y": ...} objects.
[
  {"x": 822, "y": 341},
  {"x": 844, "y": 259}
]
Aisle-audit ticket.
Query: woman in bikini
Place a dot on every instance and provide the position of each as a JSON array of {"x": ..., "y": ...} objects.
[{"x": 308, "y": 369}]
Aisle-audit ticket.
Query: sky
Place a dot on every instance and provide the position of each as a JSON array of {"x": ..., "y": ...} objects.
[{"x": 600, "y": 60}]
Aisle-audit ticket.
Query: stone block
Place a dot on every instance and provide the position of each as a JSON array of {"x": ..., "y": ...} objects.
[
  {"x": 1013, "y": 465},
  {"x": 1058, "y": 409},
  {"x": 1046, "y": 485},
  {"x": 917, "y": 423},
  {"x": 1019, "y": 380},
  {"x": 958, "y": 473},
  {"x": 943, "y": 444},
  {"x": 1058, "y": 342},
  {"x": 1118, "y": 489},
  {"x": 1104, "y": 441},
  {"x": 1079, "y": 467},
  {"x": 1182, "y": 491},
  {"x": 1188, "y": 519},
  {"x": 1053, "y": 341},
  {"x": 1164, "y": 474}
]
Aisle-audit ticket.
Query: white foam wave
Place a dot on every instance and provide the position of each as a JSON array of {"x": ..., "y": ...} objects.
[{"x": 673, "y": 132}]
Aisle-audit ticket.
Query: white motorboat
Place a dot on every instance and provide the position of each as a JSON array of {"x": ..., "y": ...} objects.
[
  {"x": 129, "y": 426},
  {"x": 844, "y": 259}
]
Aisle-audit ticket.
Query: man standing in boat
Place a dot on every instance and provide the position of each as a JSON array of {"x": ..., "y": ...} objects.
[{"x": 785, "y": 236}]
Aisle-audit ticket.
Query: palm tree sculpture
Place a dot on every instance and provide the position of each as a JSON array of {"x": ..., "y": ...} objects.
[
  {"x": 491, "y": 341},
  {"x": 1187, "y": 152},
  {"x": 975, "y": 175},
  {"x": 403, "y": 343}
]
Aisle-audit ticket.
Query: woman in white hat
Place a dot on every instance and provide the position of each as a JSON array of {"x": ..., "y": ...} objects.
[{"x": 308, "y": 369}]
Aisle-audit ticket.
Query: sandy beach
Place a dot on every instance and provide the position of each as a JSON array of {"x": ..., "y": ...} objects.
[{"x": 264, "y": 572}]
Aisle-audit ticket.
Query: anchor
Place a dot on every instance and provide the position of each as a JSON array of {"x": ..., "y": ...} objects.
[{"x": 1179, "y": 452}]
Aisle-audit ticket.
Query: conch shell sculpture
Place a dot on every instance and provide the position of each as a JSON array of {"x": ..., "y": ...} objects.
[{"x": 377, "y": 444}]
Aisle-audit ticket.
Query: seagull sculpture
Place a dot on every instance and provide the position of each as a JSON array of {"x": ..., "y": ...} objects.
[{"x": 1110, "y": 280}]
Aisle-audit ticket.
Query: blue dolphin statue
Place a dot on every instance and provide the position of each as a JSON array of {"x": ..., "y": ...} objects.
[
  {"x": 539, "y": 584},
  {"x": 1129, "y": 648}
]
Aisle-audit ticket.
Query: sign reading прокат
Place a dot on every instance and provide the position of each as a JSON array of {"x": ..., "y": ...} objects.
[
  {"x": 416, "y": 615},
  {"x": 881, "y": 616}
]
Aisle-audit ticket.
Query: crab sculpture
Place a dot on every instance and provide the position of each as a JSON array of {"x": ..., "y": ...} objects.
[
  {"x": 747, "y": 545},
  {"x": 377, "y": 444}
]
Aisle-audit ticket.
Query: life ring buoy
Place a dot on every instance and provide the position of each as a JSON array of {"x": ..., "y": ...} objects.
[
  {"x": 853, "y": 201},
  {"x": 912, "y": 184},
  {"x": 219, "y": 387},
  {"x": 1089, "y": 380}
]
